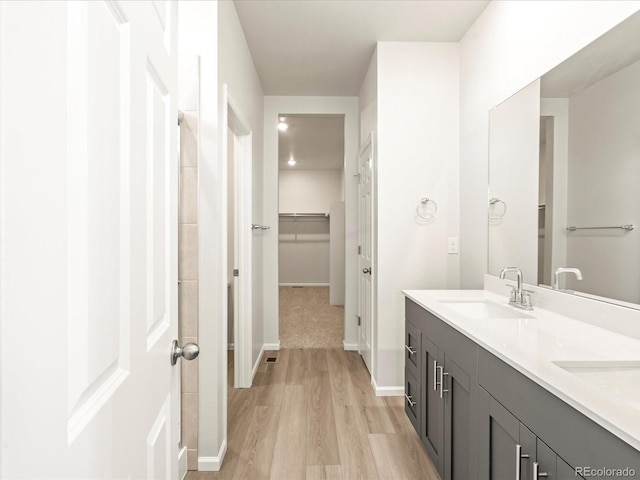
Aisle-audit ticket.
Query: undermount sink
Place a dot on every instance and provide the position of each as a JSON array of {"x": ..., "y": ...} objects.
[
  {"x": 620, "y": 378},
  {"x": 481, "y": 309}
]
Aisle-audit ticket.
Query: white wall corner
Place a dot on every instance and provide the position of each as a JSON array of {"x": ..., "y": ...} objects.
[
  {"x": 213, "y": 464},
  {"x": 386, "y": 391}
]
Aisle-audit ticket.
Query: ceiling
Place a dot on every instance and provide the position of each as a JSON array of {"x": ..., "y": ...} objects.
[
  {"x": 323, "y": 47},
  {"x": 316, "y": 142}
]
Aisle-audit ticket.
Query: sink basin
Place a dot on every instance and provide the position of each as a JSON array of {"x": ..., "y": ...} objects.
[
  {"x": 619, "y": 378},
  {"x": 480, "y": 309}
]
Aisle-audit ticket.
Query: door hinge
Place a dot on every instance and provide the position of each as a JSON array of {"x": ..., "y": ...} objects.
[
  {"x": 358, "y": 318},
  {"x": 359, "y": 249},
  {"x": 235, "y": 272}
]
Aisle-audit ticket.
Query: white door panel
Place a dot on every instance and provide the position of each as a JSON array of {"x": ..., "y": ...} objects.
[
  {"x": 89, "y": 243},
  {"x": 365, "y": 257}
]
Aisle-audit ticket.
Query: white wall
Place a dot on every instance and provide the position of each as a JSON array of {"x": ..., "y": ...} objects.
[
  {"x": 602, "y": 190},
  {"x": 336, "y": 254},
  {"x": 309, "y": 191},
  {"x": 509, "y": 46},
  {"x": 300, "y": 105},
  {"x": 304, "y": 243},
  {"x": 418, "y": 143},
  {"x": 197, "y": 27}
]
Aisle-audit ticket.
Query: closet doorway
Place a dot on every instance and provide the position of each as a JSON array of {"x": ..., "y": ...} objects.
[{"x": 311, "y": 241}]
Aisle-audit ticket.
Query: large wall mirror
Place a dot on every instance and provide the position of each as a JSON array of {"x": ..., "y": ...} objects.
[{"x": 564, "y": 172}]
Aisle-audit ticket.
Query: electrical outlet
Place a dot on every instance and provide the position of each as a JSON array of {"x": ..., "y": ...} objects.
[{"x": 453, "y": 246}]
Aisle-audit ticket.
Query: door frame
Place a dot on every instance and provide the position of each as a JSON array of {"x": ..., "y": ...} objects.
[{"x": 234, "y": 120}]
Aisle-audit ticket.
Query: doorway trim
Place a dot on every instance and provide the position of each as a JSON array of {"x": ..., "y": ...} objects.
[
  {"x": 273, "y": 107},
  {"x": 234, "y": 120}
]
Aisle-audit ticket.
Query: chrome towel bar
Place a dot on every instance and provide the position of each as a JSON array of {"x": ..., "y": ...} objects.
[{"x": 573, "y": 228}]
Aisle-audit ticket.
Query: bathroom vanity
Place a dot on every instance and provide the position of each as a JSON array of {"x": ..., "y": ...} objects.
[{"x": 497, "y": 392}]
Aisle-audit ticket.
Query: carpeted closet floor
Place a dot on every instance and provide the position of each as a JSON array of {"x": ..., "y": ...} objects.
[{"x": 308, "y": 321}]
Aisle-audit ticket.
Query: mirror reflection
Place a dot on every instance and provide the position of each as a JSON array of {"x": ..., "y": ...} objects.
[{"x": 565, "y": 170}]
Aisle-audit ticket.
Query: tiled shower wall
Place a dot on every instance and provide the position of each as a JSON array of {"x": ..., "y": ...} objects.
[{"x": 188, "y": 260}]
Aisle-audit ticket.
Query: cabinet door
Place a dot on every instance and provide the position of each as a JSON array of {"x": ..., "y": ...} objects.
[
  {"x": 546, "y": 460},
  {"x": 457, "y": 422},
  {"x": 499, "y": 438},
  {"x": 412, "y": 390},
  {"x": 412, "y": 344},
  {"x": 432, "y": 426}
]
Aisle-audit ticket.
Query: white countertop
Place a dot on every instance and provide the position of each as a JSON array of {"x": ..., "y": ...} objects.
[{"x": 530, "y": 345}]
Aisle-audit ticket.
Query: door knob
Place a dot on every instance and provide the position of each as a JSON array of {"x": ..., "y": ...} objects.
[
  {"x": 367, "y": 270},
  {"x": 189, "y": 351}
]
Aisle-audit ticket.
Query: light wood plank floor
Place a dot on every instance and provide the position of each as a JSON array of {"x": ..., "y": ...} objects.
[{"x": 313, "y": 415}]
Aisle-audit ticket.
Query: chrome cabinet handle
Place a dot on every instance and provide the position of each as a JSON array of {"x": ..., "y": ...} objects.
[
  {"x": 190, "y": 351},
  {"x": 410, "y": 350},
  {"x": 411, "y": 403},
  {"x": 536, "y": 473},
  {"x": 441, "y": 382},
  {"x": 519, "y": 457}
]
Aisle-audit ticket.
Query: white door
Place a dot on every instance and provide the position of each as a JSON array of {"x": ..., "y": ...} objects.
[
  {"x": 89, "y": 239},
  {"x": 365, "y": 243}
]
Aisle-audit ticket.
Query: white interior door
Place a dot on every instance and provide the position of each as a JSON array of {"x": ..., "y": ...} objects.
[
  {"x": 89, "y": 239},
  {"x": 365, "y": 243}
]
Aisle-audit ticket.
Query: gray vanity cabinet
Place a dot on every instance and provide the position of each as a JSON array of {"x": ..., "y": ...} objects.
[
  {"x": 474, "y": 413},
  {"x": 447, "y": 377}
]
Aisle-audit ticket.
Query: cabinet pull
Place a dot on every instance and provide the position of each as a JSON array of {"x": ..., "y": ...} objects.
[
  {"x": 519, "y": 457},
  {"x": 411, "y": 403},
  {"x": 441, "y": 382},
  {"x": 410, "y": 350},
  {"x": 536, "y": 473}
]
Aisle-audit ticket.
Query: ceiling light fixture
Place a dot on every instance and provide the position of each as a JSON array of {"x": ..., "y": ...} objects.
[
  {"x": 291, "y": 162},
  {"x": 282, "y": 126}
]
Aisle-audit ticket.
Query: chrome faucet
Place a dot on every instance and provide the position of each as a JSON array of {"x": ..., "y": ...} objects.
[
  {"x": 519, "y": 298},
  {"x": 556, "y": 275}
]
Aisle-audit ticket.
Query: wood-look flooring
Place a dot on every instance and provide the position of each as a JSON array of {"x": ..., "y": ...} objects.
[{"x": 314, "y": 415}]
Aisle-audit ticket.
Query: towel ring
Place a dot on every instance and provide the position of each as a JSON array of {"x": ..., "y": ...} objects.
[
  {"x": 424, "y": 205},
  {"x": 494, "y": 201}
]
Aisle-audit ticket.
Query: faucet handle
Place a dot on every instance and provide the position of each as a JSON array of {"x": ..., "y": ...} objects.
[
  {"x": 526, "y": 299},
  {"x": 512, "y": 294}
]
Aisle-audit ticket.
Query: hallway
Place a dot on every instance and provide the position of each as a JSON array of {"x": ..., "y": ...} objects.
[{"x": 313, "y": 415}]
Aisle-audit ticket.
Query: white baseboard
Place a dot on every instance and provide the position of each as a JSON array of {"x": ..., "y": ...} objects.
[
  {"x": 213, "y": 464},
  {"x": 271, "y": 346},
  {"x": 182, "y": 463},
  {"x": 257, "y": 364},
  {"x": 350, "y": 346},
  {"x": 304, "y": 284},
  {"x": 386, "y": 391},
  {"x": 231, "y": 346}
]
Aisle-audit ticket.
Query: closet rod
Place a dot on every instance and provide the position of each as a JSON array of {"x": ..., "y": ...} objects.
[{"x": 304, "y": 215}]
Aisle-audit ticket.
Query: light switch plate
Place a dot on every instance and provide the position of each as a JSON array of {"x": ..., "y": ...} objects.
[{"x": 453, "y": 246}]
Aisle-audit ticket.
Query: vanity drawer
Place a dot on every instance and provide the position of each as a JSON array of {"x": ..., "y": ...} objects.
[
  {"x": 412, "y": 399},
  {"x": 412, "y": 349}
]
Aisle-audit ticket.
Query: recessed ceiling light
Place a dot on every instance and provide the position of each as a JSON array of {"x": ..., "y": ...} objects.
[
  {"x": 282, "y": 126},
  {"x": 282, "y": 119},
  {"x": 291, "y": 162}
]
